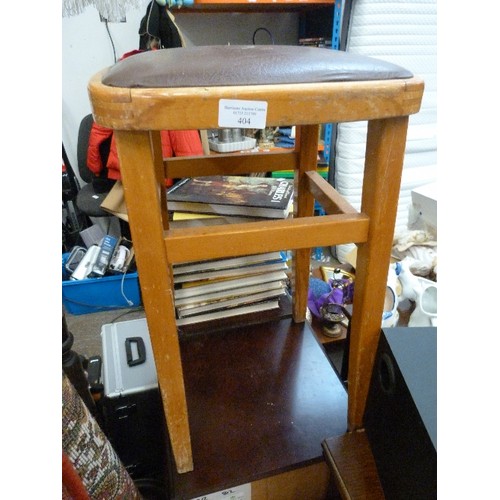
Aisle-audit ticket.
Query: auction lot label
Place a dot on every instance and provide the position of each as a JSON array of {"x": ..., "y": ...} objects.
[{"x": 235, "y": 113}]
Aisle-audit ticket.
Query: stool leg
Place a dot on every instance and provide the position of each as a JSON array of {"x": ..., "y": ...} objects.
[
  {"x": 141, "y": 167},
  {"x": 385, "y": 148},
  {"x": 306, "y": 140}
]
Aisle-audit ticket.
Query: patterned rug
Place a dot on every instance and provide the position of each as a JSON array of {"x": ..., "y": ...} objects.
[{"x": 91, "y": 468}]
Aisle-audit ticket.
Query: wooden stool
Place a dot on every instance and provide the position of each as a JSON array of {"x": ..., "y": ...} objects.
[{"x": 189, "y": 88}]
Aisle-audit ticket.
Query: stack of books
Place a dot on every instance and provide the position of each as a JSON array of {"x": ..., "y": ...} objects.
[
  {"x": 234, "y": 196},
  {"x": 223, "y": 288}
]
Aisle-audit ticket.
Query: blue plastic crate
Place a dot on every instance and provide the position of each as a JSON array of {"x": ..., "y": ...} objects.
[{"x": 93, "y": 295}]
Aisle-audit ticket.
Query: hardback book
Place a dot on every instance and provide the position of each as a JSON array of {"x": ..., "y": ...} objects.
[
  {"x": 182, "y": 220},
  {"x": 228, "y": 284},
  {"x": 230, "y": 312},
  {"x": 208, "y": 298},
  {"x": 246, "y": 299},
  {"x": 245, "y": 196},
  {"x": 201, "y": 277},
  {"x": 229, "y": 263}
]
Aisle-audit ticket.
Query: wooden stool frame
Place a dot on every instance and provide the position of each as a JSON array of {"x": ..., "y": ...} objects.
[{"x": 137, "y": 115}]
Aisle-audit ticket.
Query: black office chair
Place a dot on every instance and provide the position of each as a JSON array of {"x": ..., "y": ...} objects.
[{"x": 92, "y": 194}]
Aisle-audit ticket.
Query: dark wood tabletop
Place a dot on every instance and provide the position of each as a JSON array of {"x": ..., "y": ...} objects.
[{"x": 261, "y": 399}]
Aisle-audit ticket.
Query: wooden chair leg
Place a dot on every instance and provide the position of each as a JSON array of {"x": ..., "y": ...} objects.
[
  {"x": 307, "y": 146},
  {"x": 385, "y": 148},
  {"x": 146, "y": 214}
]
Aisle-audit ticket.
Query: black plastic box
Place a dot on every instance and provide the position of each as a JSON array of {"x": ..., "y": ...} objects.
[{"x": 131, "y": 404}]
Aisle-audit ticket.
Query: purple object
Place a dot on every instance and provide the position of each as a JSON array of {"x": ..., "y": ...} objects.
[{"x": 334, "y": 292}]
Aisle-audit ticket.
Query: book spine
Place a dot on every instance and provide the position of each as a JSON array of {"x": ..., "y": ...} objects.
[
  {"x": 224, "y": 294},
  {"x": 228, "y": 284},
  {"x": 230, "y": 303},
  {"x": 177, "y": 185},
  {"x": 262, "y": 306},
  {"x": 212, "y": 265}
]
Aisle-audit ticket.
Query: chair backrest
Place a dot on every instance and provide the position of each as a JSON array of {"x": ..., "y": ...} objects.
[
  {"x": 82, "y": 147},
  {"x": 83, "y": 144}
]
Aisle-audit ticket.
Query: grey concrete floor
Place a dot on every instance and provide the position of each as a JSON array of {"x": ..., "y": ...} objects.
[{"x": 86, "y": 328}]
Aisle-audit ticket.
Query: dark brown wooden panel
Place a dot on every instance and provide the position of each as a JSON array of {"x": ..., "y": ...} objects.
[{"x": 260, "y": 402}]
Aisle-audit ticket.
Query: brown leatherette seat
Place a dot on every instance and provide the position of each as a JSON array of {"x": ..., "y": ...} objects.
[{"x": 223, "y": 65}]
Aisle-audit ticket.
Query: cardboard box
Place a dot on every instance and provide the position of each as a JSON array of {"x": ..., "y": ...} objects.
[
  {"x": 114, "y": 203},
  {"x": 424, "y": 200}
]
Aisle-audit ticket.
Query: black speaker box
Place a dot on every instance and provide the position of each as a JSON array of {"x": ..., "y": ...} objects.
[{"x": 400, "y": 417}]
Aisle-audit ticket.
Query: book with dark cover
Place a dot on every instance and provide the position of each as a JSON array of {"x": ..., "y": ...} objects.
[{"x": 233, "y": 195}]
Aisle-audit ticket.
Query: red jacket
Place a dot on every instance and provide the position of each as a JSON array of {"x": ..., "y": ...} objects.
[{"x": 173, "y": 142}]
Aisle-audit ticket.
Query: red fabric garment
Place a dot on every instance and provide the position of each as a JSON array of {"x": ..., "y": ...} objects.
[
  {"x": 98, "y": 135},
  {"x": 173, "y": 143},
  {"x": 181, "y": 143}
]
